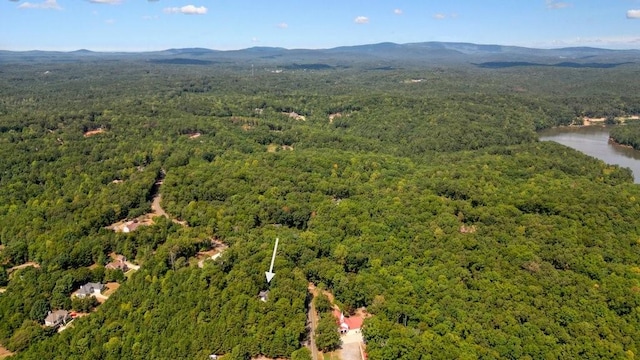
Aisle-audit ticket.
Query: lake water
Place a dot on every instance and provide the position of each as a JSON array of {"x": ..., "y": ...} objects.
[{"x": 594, "y": 141}]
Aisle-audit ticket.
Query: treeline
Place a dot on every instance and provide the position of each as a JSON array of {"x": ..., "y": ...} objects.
[{"x": 626, "y": 135}]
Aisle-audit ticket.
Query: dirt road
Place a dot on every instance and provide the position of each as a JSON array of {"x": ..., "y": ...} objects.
[
  {"x": 313, "y": 320},
  {"x": 156, "y": 208}
]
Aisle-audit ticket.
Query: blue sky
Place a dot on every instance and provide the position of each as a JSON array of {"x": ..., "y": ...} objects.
[{"x": 141, "y": 25}]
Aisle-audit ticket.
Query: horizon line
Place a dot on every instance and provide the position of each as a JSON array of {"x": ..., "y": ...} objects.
[{"x": 559, "y": 47}]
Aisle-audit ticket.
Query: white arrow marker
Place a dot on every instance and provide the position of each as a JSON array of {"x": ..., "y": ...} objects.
[{"x": 270, "y": 274}]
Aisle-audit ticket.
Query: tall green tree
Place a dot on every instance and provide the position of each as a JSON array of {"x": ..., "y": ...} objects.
[{"x": 327, "y": 334}]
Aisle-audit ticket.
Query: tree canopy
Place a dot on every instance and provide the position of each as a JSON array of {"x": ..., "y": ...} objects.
[{"x": 431, "y": 204}]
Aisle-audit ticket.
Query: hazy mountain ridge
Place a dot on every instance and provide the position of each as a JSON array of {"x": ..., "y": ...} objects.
[{"x": 423, "y": 52}]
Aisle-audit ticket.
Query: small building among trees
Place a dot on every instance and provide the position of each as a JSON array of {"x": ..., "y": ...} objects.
[{"x": 56, "y": 318}]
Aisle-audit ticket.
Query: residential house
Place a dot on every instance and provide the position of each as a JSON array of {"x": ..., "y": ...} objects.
[
  {"x": 56, "y": 318},
  {"x": 347, "y": 324},
  {"x": 90, "y": 289},
  {"x": 131, "y": 226},
  {"x": 118, "y": 264},
  {"x": 263, "y": 295}
]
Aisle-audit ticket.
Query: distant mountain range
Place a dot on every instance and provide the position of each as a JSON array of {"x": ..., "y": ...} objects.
[{"x": 381, "y": 55}]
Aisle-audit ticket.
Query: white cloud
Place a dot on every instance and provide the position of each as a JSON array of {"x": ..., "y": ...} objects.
[
  {"x": 47, "y": 4},
  {"x": 110, "y": 21},
  {"x": 555, "y": 4},
  {"x": 110, "y": 2},
  {"x": 283, "y": 25},
  {"x": 187, "y": 9},
  {"x": 361, "y": 20},
  {"x": 439, "y": 16},
  {"x": 397, "y": 11},
  {"x": 633, "y": 14}
]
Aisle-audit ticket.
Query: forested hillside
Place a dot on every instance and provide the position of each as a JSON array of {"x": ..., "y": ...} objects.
[{"x": 418, "y": 192}]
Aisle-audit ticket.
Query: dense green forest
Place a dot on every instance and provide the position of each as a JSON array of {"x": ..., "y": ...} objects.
[
  {"x": 627, "y": 135},
  {"x": 430, "y": 203}
]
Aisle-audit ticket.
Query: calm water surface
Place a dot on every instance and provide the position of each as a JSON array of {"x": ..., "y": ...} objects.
[{"x": 594, "y": 141}]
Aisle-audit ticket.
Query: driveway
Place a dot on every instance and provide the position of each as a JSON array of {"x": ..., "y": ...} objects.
[
  {"x": 351, "y": 345},
  {"x": 350, "y": 351}
]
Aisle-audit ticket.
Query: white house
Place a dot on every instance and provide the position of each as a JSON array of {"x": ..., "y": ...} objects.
[
  {"x": 90, "y": 289},
  {"x": 56, "y": 318}
]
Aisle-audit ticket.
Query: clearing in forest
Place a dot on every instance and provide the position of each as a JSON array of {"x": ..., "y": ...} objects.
[
  {"x": 127, "y": 226},
  {"x": 587, "y": 121},
  {"x": 352, "y": 341},
  {"x": 295, "y": 115},
  {"x": 110, "y": 288},
  {"x": 4, "y": 352},
  {"x": 94, "y": 132},
  {"x": 218, "y": 247},
  {"x": 333, "y": 116}
]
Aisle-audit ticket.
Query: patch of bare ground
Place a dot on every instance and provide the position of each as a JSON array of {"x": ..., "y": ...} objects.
[
  {"x": 27, "y": 264},
  {"x": 2, "y": 290},
  {"x": 295, "y": 115},
  {"x": 194, "y": 135},
  {"x": 314, "y": 291},
  {"x": 333, "y": 116},
  {"x": 272, "y": 148},
  {"x": 76, "y": 315},
  {"x": 110, "y": 288},
  {"x": 467, "y": 229},
  {"x": 287, "y": 147},
  {"x": 127, "y": 226},
  {"x": 4, "y": 353},
  {"x": 627, "y": 118},
  {"x": 94, "y": 132},
  {"x": 334, "y": 355},
  {"x": 588, "y": 121},
  {"x": 218, "y": 247},
  {"x": 247, "y": 127},
  {"x": 350, "y": 351}
]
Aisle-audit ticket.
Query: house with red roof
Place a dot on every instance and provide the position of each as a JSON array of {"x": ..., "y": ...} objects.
[{"x": 347, "y": 324}]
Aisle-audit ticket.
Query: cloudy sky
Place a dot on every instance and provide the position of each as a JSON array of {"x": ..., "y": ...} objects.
[{"x": 139, "y": 25}]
